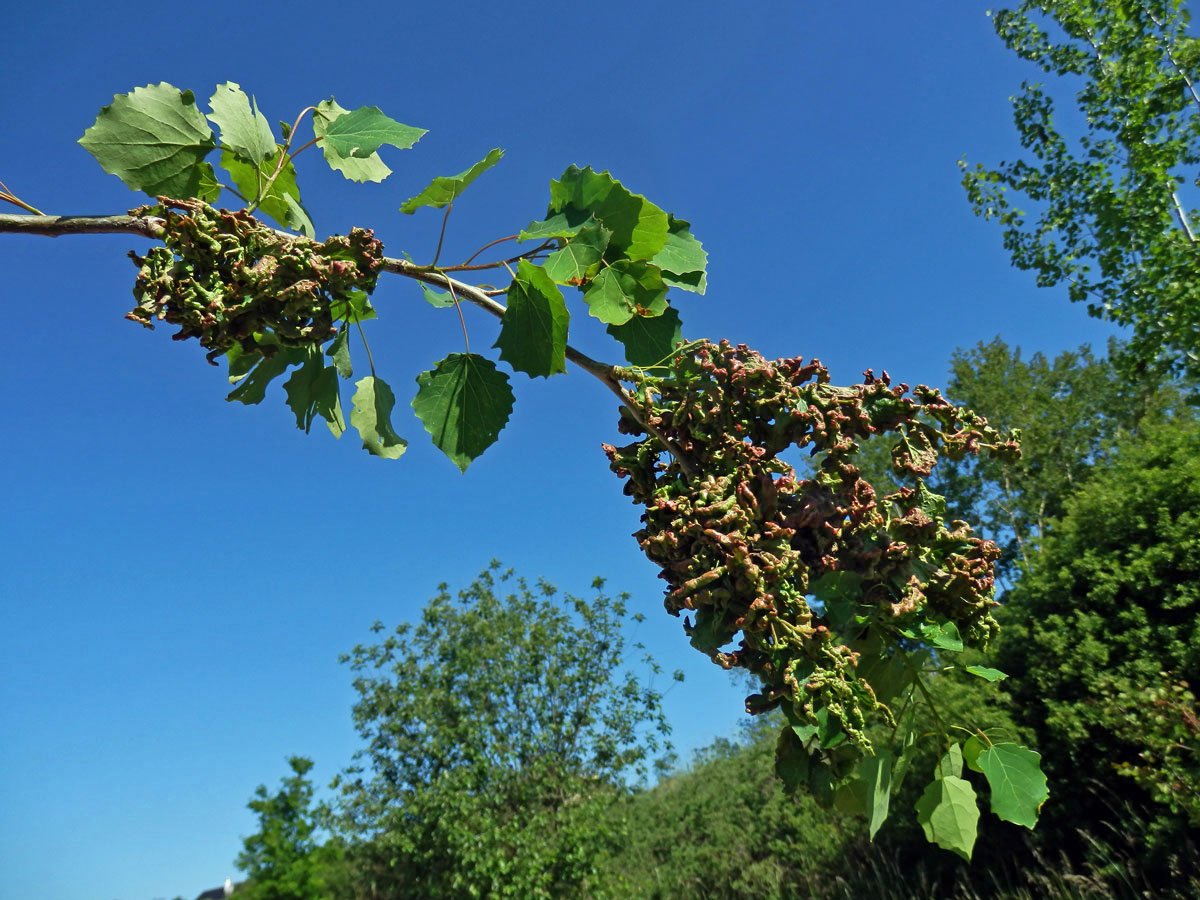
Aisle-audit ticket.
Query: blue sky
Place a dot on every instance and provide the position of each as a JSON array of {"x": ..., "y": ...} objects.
[{"x": 181, "y": 573}]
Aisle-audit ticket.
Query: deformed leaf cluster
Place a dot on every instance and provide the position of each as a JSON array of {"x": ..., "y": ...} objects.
[
  {"x": 224, "y": 277},
  {"x": 745, "y": 541}
]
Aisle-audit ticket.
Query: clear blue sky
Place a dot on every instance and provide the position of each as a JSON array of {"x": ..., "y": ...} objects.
[{"x": 180, "y": 573}]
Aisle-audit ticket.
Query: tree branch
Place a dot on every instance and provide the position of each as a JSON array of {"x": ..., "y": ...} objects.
[
  {"x": 55, "y": 226},
  {"x": 152, "y": 227}
]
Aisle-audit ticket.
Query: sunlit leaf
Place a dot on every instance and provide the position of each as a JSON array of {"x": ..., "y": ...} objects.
[
  {"x": 275, "y": 202},
  {"x": 360, "y": 133},
  {"x": 372, "y": 416},
  {"x": 582, "y": 253},
  {"x": 313, "y": 391},
  {"x": 154, "y": 139},
  {"x": 339, "y": 352},
  {"x": 951, "y": 763},
  {"x": 447, "y": 188},
  {"x": 639, "y": 228},
  {"x": 987, "y": 673},
  {"x": 682, "y": 258},
  {"x": 649, "y": 339},
  {"x": 949, "y": 815},
  {"x": 369, "y": 168},
  {"x": 463, "y": 403},
  {"x": 1014, "y": 773},
  {"x": 245, "y": 131},
  {"x": 435, "y": 298},
  {"x": 624, "y": 290},
  {"x": 533, "y": 334}
]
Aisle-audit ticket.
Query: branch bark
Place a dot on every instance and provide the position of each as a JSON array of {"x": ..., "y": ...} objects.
[{"x": 56, "y": 226}]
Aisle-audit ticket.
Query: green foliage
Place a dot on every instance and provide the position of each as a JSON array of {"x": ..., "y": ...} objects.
[
  {"x": 831, "y": 592},
  {"x": 463, "y": 403},
  {"x": 1015, "y": 776},
  {"x": 244, "y": 130},
  {"x": 154, "y": 139},
  {"x": 533, "y": 334},
  {"x": 445, "y": 190},
  {"x": 283, "y": 860},
  {"x": 500, "y": 729},
  {"x": 372, "y": 416},
  {"x": 844, "y": 598},
  {"x": 725, "y": 829},
  {"x": 1164, "y": 720},
  {"x": 361, "y": 133},
  {"x": 1068, "y": 412},
  {"x": 1112, "y": 600},
  {"x": 949, "y": 814},
  {"x": 618, "y": 248},
  {"x": 354, "y": 168},
  {"x": 1107, "y": 217}
]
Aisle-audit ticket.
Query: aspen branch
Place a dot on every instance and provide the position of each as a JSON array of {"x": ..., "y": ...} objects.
[
  {"x": 56, "y": 226},
  {"x": 152, "y": 227}
]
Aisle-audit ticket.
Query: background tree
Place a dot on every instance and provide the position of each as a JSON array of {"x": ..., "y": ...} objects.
[
  {"x": 1069, "y": 412},
  {"x": 1111, "y": 601},
  {"x": 499, "y": 729},
  {"x": 283, "y": 860},
  {"x": 1111, "y": 217}
]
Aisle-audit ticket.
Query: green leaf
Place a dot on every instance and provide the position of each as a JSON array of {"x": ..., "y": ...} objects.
[
  {"x": 533, "y": 334},
  {"x": 839, "y": 593},
  {"x": 209, "y": 188},
  {"x": 972, "y": 747},
  {"x": 245, "y": 131},
  {"x": 446, "y": 189},
  {"x": 829, "y": 729},
  {"x": 791, "y": 761},
  {"x": 876, "y": 773},
  {"x": 577, "y": 261},
  {"x": 944, "y": 636},
  {"x": 951, "y": 763},
  {"x": 803, "y": 728},
  {"x": 987, "y": 673},
  {"x": 869, "y": 793},
  {"x": 354, "y": 308},
  {"x": 313, "y": 391},
  {"x": 820, "y": 782},
  {"x": 639, "y": 228},
  {"x": 370, "y": 168},
  {"x": 710, "y": 632},
  {"x": 240, "y": 362},
  {"x": 889, "y": 675},
  {"x": 933, "y": 505},
  {"x": 560, "y": 225},
  {"x": 682, "y": 258},
  {"x": 624, "y": 290},
  {"x": 339, "y": 352},
  {"x": 949, "y": 815},
  {"x": 649, "y": 340},
  {"x": 464, "y": 403},
  {"x": 275, "y": 203},
  {"x": 908, "y": 748},
  {"x": 1014, "y": 773},
  {"x": 360, "y": 133},
  {"x": 297, "y": 216},
  {"x": 435, "y": 298},
  {"x": 372, "y": 416},
  {"x": 253, "y": 388},
  {"x": 154, "y": 139}
]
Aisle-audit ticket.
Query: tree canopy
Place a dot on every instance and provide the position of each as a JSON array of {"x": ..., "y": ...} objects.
[{"x": 1110, "y": 211}]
